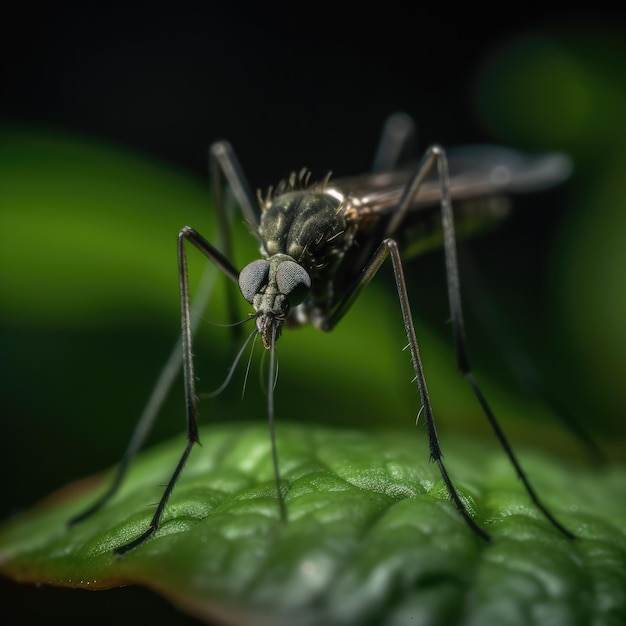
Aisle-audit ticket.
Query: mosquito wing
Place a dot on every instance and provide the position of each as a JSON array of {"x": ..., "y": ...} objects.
[
  {"x": 476, "y": 171},
  {"x": 481, "y": 178}
]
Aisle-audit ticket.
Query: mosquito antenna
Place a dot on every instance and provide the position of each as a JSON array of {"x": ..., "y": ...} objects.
[
  {"x": 271, "y": 379},
  {"x": 245, "y": 378},
  {"x": 232, "y": 324},
  {"x": 231, "y": 370},
  {"x": 261, "y": 367},
  {"x": 276, "y": 375}
]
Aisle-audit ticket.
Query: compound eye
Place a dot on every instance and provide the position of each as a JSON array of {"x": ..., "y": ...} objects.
[
  {"x": 252, "y": 277},
  {"x": 293, "y": 281}
]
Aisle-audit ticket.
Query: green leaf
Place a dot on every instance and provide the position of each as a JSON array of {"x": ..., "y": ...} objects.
[{"x": 371, "y": 536}]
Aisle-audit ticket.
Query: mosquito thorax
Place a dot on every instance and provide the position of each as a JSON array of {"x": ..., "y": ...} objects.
[
  {"x": 273, "y": 286},
  {"x": 305, "y": 225}
]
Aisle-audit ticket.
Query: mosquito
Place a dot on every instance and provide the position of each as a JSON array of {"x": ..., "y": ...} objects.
[{"x": 321, "y": 243}]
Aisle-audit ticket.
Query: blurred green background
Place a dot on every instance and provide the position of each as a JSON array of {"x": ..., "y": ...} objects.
[{"x": 105, "y": 122}]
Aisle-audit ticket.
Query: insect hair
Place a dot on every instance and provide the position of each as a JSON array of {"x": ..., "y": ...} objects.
[{"x": 297, "y": 181}]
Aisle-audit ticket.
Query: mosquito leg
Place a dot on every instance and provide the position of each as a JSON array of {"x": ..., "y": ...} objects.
[
  {"x": 157, "y": 397},
  {"x": 226, "y": 172},
  {"x": 214, "y": 255},
  {"x": 429, "y": 420},
  {"x": 389, "y": 247},
  {"x": 154, "y": 524},
  {"x": 223, "y": 165},
  {"x": 437, "y": 155},
  {"x": 271, "y": 382},
  {"x": 396, "y": 141},
  {"x": 144, "y": 425},
  {"x": 490, "y": 315}
]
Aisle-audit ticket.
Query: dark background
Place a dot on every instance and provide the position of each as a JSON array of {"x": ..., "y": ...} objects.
[
  {"x": 289, "y": 89},
  {"x": 284, "y": 88}
]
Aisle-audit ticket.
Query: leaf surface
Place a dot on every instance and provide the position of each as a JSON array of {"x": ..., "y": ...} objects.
[{"x": 371, "y": 536}]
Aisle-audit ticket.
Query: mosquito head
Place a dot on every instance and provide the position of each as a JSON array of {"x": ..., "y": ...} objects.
[{"x": 273, "y": 286}]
